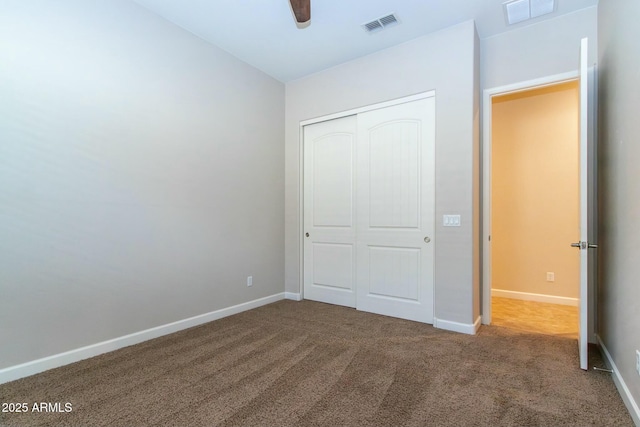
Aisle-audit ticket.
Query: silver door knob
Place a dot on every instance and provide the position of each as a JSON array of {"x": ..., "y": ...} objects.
[
  {"x": 306, "y": 234},
  {"x": 427, "y": 239}
]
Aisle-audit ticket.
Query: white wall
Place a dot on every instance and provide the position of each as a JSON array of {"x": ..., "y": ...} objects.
[
  {"x": 539, "y": 50},
  {"x": 619, "y": 187},
  {"x": 443, "y": 61},
  {"x": 141, "y": 176}
]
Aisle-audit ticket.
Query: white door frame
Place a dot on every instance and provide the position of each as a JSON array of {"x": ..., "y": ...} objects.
[
  {"x": 487, "y": 97},
  {"x": 324, "y": 118}
]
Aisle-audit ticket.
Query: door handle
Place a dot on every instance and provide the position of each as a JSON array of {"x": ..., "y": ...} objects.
[
  {"x": 592, "y": 246},
  {"x": 576, "y": 245},
  {"x": 427, "y": 239}
]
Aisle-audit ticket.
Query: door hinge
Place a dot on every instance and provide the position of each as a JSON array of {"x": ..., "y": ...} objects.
[{"x": 584, "y": 245}]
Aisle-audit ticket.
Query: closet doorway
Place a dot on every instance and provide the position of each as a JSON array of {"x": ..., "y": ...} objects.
[{"x": 369, "y": 206}]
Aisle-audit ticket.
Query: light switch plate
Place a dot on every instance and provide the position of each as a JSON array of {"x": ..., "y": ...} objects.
[{"x": 451, "y": 220}]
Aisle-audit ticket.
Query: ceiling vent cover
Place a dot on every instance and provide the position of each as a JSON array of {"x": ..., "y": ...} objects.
[{"x": 381, "y": 23}]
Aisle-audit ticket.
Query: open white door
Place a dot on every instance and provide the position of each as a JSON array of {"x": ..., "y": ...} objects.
[{"x": 583, "y": 245}]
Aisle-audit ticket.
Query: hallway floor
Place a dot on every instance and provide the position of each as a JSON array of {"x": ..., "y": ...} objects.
[{"x": 538, "y": 317}]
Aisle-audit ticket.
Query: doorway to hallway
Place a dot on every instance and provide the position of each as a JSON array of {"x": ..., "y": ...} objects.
[{"x": 535, "y": 208}]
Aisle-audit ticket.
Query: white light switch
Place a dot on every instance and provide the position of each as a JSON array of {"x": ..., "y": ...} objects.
[{"x": 451, "y": 220}]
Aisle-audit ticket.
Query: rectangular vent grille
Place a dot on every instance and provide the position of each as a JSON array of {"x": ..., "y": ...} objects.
[
  {"x": 373, "y": 26},
  {"x": 388, "y": 20},
  {"x": 380, "y": 23}
]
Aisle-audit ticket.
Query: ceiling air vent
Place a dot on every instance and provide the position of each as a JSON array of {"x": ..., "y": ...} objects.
[
  {"x": 388, "y": 20},
  {"x": 380, "y": 23}
]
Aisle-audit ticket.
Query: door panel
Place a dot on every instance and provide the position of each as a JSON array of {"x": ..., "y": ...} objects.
[
  {"x": 329, "y": 249},
  {"x": 332, "y": 180},
  {"x": 583, "y": 245},
  {"x": 333, "y": 265},
  {"x": 394, "y": 178},
  {"x": 394, "y": 272},
  {"x": 396, "y": 210}
]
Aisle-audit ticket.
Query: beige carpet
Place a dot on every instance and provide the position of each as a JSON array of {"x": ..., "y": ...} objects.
[{"x": 311, "y": 364}]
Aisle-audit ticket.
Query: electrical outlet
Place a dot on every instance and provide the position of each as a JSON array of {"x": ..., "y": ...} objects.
[
  {"x": 451, "y": 220},
  {"x": 250, "y": 281},
  {"x": 551, "y": 276},
  {"x": 638, "y": 361}
]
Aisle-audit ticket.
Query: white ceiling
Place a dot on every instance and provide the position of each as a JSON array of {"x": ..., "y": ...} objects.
[{"x": 263, "y": 33}]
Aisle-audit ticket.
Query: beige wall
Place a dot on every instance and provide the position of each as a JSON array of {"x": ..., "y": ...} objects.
[
  {"x": 542, "y": 49},
  {"x": 619, "y": 190},
  {"x": 539, "y": 50},
  {"x": 535, "y": 191},
  {"x": 477, "y": 180},
  {"x": 141, "y": 176}
]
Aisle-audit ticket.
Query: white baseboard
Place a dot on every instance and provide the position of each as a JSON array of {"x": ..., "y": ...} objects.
[
  {"x": 551, "y": 299},
  {"x": 624, "y": 391},
  {"x": 293, "y": 296},
  {"x": 477, "y": 324},
  {"x": 36, "y": 366},
  {"x": 464, "y": 328}
]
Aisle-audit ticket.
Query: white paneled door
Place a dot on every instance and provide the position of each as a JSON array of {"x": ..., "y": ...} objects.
[
  {"x": 329, "y": 211},
  {"x": 369, "y": 210},
  {"x": 395, "y": 206}
]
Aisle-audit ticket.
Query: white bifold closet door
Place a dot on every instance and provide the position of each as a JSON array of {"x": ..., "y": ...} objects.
[{"x": 369, "y": 210}]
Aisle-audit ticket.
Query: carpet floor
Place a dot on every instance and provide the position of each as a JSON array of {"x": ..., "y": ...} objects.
[{"x": 312, "y": 364}]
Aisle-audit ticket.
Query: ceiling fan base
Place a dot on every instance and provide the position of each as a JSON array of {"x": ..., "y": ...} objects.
[{"x": 301, "y": 10}]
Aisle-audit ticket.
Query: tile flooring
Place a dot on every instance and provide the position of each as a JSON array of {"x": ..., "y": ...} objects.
[{"x": 537, "y": 317}]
